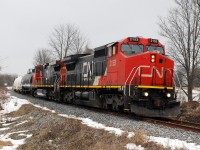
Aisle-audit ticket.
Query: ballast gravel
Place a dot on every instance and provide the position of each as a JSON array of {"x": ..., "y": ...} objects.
[{"x": 115, "y": 121}]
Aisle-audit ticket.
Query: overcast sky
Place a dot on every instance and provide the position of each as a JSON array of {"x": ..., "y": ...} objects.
[{"x": 25, "y": 25}]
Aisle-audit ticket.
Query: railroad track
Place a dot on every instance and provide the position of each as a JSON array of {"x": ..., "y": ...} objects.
[{"x": 195, "y": 127}]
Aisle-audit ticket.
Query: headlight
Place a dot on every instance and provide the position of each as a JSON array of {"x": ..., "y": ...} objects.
[
  {"x": 153, "y": 57},
  {"x": 146, "y": 94},
  {"x": 152, "y": 60},
  {"x": 168, "y": 95}
]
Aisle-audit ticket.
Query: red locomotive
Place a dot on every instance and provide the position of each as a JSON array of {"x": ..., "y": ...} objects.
[{"x": 133, "y": 75}]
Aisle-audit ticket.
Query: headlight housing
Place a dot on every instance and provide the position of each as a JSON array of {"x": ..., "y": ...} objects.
[
  {"x": 146, "y": 94},
  {"x": 153, "y": 58},
  {"x": 168, "y": 95}
]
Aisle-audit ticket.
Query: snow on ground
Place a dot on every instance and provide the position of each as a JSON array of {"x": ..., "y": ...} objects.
[
  {"x": 12, "y": 104},
  {"x": 16, "y": 143},
  {"x": 21, "y": 123},
  {"x": 132, "y": 146},
  {"x": 174, "y": 143},
  {"x": 96, "y": 125},
  {"x": 15, "y": 103},
  {"x": 9, "y": 87},
  {"x": 2, "y": 129},
  {"x": 45, "y": 108}
]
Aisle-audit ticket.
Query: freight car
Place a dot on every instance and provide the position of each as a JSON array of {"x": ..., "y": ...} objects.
[{"x": 132, "y": 75}]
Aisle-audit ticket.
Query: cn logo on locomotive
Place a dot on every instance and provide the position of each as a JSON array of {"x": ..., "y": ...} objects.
[{"x": 150, "y": 75}]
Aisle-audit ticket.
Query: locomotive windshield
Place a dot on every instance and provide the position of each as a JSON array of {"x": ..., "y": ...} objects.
[
  {"x": 157, "y": 49},
  {"x": 130, "y": 49}
]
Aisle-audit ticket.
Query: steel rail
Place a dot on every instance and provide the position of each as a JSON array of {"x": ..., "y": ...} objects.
[{"x": 189, "y": 126}]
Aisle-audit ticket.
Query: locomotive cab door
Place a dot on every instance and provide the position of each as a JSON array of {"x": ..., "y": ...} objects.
[{"x": 112, "y": 68}]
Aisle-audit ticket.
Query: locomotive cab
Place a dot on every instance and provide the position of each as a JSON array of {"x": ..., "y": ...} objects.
[{"x": 141, "y": 67}]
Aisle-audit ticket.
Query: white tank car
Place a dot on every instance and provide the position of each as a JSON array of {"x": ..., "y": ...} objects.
[{"x": 17, "y": 85}]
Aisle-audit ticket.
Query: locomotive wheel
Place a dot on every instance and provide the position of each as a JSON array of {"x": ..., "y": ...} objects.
[
  {"x": 69, "y": 97},
  {"x": 115, "y": 106},
  {"x": 121, "y": 108},
  {"x": 118, "y": 108},
  {"x": 51, "y": 97},
  {"x": 34, "y": 93},
  {"x": 104, "y": 104},
  {"x": 48, "y": 95}
]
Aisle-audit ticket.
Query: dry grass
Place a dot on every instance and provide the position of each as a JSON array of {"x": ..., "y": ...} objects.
[
  {"x": 140, "y": 137},
  {"x": 3, "y": 95},
  {"x": 71, "y": 134},
  {"x": 25, "y": 109},
  {"x": 56, "y": 132},
  {"x": 53, "y": 132},
  {"x": 190, "y": 111},
  {"x": 5, "y": 143},
  {"x": 16, "y": 136}
]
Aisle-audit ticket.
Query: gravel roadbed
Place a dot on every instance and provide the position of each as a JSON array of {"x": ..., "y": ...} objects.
[{"x": 115, "y": 121}]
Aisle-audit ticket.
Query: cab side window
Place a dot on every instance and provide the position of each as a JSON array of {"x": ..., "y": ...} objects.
[
  {"x": 112, "y": 50},
  {"x": 109, "y": 51}
]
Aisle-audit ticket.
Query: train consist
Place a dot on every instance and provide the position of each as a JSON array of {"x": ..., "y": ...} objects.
[{"x": 132, "y": 75}]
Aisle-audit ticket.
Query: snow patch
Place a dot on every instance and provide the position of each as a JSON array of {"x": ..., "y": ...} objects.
[
  {"x": 21, "y": 123},
  {"x": 45, "y": 108},
  {"x": 2, "y": 129},
  {"x": 7, "y": 124},
  {"x": 96, "y": 125},
  {"x": 9, "y": 87},
  {"x": 130, "y": 134},
  {"x": 12, "y": 104},
  {"x": 174, "y": 143},
  {"x": 16, "y": 143},
  {"x": 132, "y": 146}
]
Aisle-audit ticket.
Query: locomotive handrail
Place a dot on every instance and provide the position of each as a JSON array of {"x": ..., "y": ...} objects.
[
  {"x": 132, "y": 80},
  {"x": 129, "y": 75},
  {"x": 127, "y": 79}
]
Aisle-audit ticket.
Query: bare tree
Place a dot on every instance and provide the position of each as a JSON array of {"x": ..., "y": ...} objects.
[
  {"x": 88, "y": 50},
  {"x": 182, "y": 28},
  {"x": 179, "y": 77},
  {"x": 62, "y": 38},
  {"x": 79, "y": 43},
  {"x": 42, "y": 56}
]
